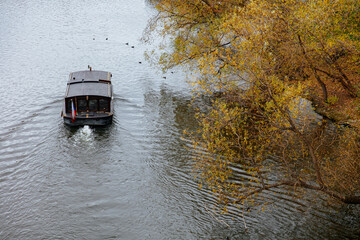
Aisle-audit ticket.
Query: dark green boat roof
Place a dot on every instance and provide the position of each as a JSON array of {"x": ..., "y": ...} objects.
[
  {"x": 89, "y": 83},
  {"x": 89, "y": 76}
]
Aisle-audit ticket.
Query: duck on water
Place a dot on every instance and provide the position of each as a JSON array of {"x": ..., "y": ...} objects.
[{"x": 88, "y": 99}]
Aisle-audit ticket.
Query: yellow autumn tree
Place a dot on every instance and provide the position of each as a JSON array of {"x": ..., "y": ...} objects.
[{"x": 259, "y": 60}]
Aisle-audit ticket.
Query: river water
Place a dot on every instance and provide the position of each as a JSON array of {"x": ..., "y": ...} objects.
[{"x": 133, "y": 179}]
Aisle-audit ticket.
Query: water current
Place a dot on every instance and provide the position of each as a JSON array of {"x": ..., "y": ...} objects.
[{"x": 133, "y": 179}]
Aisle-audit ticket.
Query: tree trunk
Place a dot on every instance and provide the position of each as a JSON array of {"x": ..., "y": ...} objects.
[
  {"x": 352, "y": 199},
  {"x": 318, "y": 79},
  {"x": 322, "y": 84}
]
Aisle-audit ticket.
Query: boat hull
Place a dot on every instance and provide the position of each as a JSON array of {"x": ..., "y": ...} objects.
[{"x": 99, "y": 121}]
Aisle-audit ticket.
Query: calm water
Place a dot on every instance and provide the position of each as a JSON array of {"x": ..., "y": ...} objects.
[{"x": 132, "y": 180}]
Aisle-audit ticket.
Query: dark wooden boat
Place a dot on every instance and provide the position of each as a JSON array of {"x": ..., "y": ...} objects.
[{"x": 88, "y": 99}]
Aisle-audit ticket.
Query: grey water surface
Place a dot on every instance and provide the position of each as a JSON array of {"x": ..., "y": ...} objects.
[{"x": 133, "y": 179}]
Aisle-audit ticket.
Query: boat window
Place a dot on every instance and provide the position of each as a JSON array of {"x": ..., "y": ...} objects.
[
  {"x": 104, "y": 105},
  {"x": 68, "y": 105},
  {"x": 81, "y": 105},
  {"x": 93, "y": 105}
]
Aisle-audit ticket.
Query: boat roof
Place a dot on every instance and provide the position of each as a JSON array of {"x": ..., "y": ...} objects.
[
  {"x": 89, "y": 83},
  {"x": 93, "y": 76}
]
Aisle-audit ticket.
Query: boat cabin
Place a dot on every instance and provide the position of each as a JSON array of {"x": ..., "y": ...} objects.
[{"x": 88, "y": 98}]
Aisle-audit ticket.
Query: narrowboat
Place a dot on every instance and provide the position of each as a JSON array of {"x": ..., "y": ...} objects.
[{"x": 88, "y": 99}]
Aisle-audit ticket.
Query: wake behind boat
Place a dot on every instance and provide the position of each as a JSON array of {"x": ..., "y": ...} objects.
[{"x": 88, "y": 99}]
